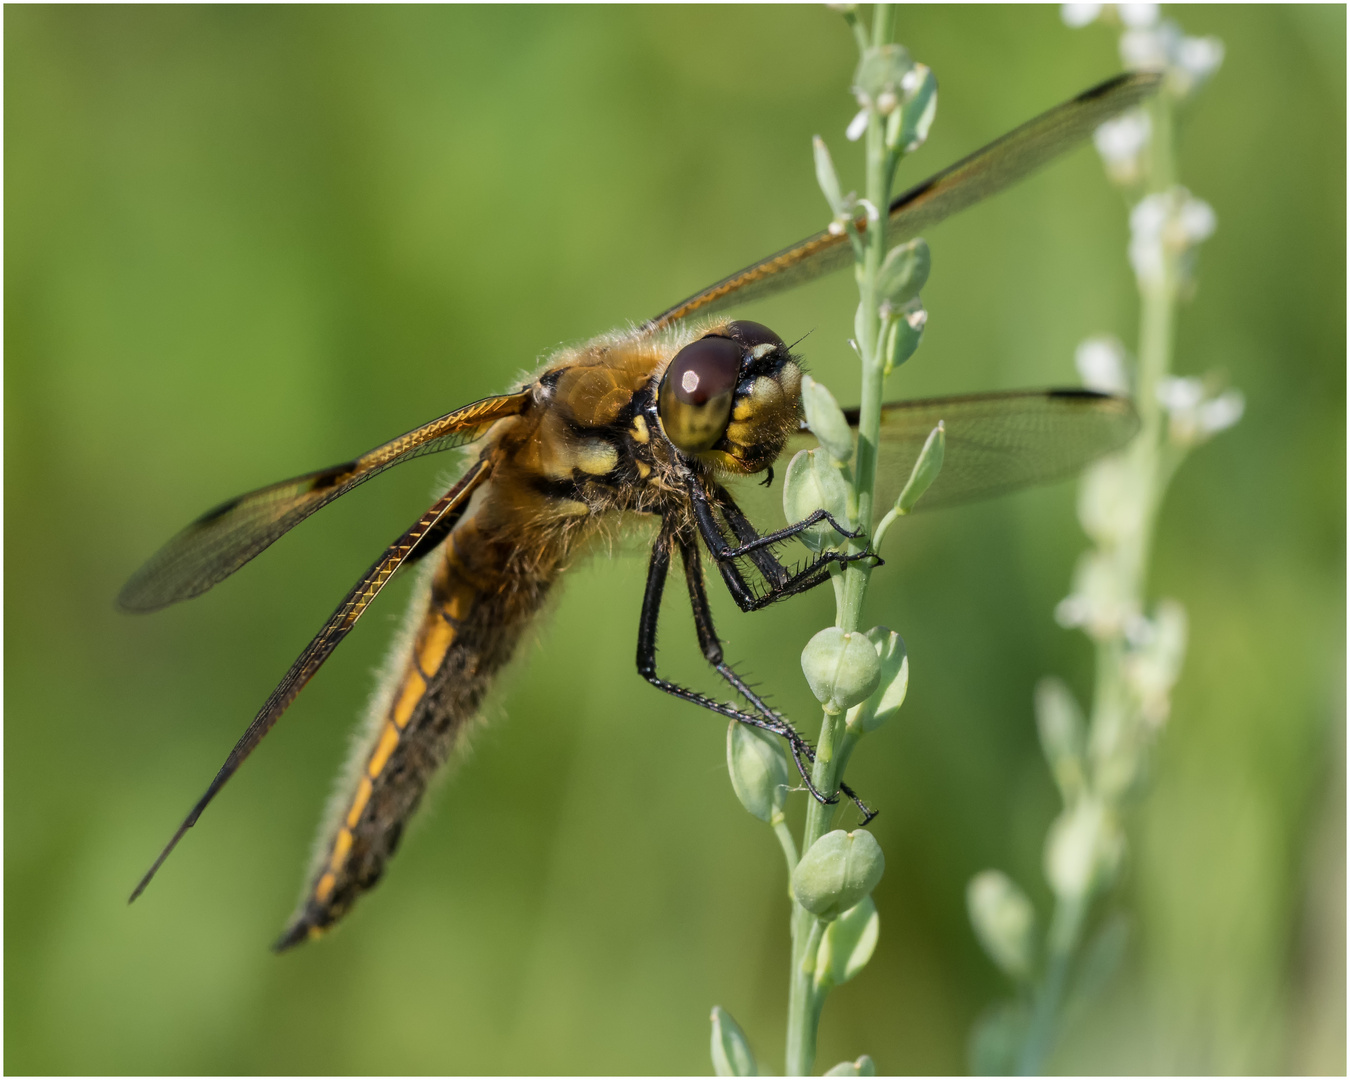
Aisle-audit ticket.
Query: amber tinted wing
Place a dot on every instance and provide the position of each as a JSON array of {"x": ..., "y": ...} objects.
[
  {"x": 222, "y": 540},
  {"x": 999, "y": 442},
  {"x": 339, "y": 625},
  {"x": 986, "y": 172}
]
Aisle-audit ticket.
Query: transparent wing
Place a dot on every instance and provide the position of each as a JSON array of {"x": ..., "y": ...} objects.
[
  {"x": 986, "y": 172},
  {"x": 222, "y": 540},
  {"x": 339, "y": 625},
  {"x": 999, "y": 442}
]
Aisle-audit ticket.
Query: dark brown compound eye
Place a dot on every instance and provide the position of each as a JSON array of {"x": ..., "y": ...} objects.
[
  {"x": 694, "y": 402},
  {"x": 752, "y": 333}
]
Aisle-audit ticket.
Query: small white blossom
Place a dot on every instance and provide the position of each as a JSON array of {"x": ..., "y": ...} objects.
[
  {"x": 1121, "y": 143},
  {"x": 1154, "y": 665},
  {"x": 1193, "y": 416},
  {"x": 1180, "y": 395},
  {"x": 1173, "y": 222},
  {"x": 1076, "y": 15},
  {"x": 857, "y": 126},
  {"x": 1098, "y": 605},
  {"x": 1195, "y": 61},
  {"x": 1222, "y": 412},
  {"x": 1138, "y": 16},
  {"x": 1101, "y": 365},
  {"x": 1188, "y": 61},
  {"x": 1109, "y": 501}
]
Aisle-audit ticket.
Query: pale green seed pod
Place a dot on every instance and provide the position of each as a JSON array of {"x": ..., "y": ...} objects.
[
  {"x": 881, "y": 71},
  {"x": 837, "y": 871},
  {"x": 827, "y": 178},
  {"x": 842, "y": 668},
  {"x": 1003, "y": 919},
  {"x": 759, "y": 770},
  {"x": 813, "y": 482},
  {"x": 826, "y": 420},
  {"x": 1059, "y": 722},
  {"x": 848, "y": 943},
  {"x": 904, "y": 331},
  {"x": 925, "y": 470},
  {"x": 1084, "y": 844},
  {"x": 904, "y": 272},
  {"x": 731, "y": 1054},
  {"x": 864, "y": 1066},
  {"x": 889, "y": 695},
  {"x": 908, "y": 127}
]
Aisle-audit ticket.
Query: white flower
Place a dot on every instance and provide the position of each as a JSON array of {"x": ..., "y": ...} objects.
[
  {"x": 1101, "y": 365},
  {"x": 857, "y": 126},
  {"x": 1188, "y": 61},
  {"x": 1120, "y": 142},
  {"x": 1138, "y": 16},
  {"x": 1154, "y": 664},
  {"x": 1076, "y": 15},
  {"x": 1193, "y": 416},
  {"x": 1099, "y": 604},
  {"x": 1172, "y": 222}
]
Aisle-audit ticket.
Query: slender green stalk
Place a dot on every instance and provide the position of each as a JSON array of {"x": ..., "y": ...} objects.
[
  {"x": 805, "y": 1002},
  {"x": 1138, "y": 653}
]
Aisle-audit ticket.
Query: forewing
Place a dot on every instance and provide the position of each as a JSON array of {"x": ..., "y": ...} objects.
[
  {"x": 986, "y": 172},
  {"x": 222, "y": 540},
  {"x": 339, "y": 625},
  {"x": 999, "y": 442}
]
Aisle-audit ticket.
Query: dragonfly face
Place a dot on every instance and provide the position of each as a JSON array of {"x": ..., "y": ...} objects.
[{"x": 645, "y": 422}]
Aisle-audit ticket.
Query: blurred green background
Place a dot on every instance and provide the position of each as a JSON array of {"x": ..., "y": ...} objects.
[{"x": 246, "y": 242}]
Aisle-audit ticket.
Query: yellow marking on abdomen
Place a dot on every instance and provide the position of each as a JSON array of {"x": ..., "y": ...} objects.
[
  {"x": 413, "y": 690},
  {"x": 324, "y": 889},
  {"x": 385, "y": 747},
  {"x": 341, "y": 845},
  {"x": 436, "y": 641},
  {"x": 363, "y": 790}
]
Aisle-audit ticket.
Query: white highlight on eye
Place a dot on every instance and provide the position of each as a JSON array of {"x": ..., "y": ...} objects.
[{"x": 689, "y": 381}]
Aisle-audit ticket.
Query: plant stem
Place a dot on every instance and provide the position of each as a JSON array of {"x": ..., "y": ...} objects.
[
  {"x": 1111, "y": 725},
  {"x": 804, "y": 1002}
]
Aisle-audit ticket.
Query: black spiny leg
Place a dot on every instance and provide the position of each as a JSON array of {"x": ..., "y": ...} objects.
[
  {"x": 780, "y": 587},
  {"x": 712, "y": 652},
  {"x": 646, "y": 663}
]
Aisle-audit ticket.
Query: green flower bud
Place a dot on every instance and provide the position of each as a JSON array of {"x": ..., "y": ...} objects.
[
  {"x": 841, "y": 668},
  {"x": 1060, "y": 724},
  {"x": 837, "y": 871},
  {"x": 864, "y": 1066},
  {"x": 813, "y": 482},
  {"x": 1084, "y": 844},
  {"x": 826, "y": 420},
  {"x": 904, "y": 273},
  {"x": 890, "y": 692},
  {"x": 997, "y": 1039},
  {"x": 904, "y": 331},
  {"x": 925, "y": 470},
  {"x": 847, "y": 944},
  {"x": 1003, "y": 919},
  {"x": 759, "y": 770},
  {"x": 827, "y": 178},
  {"x": 731, "y": 1052},
  {"x": 881, "y": 70},
  {"x": 908, "y": 127}
]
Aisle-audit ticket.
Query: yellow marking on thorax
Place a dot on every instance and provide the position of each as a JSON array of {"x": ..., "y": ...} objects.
[
  {"x": 596, "y": 456},
  {"x": 640, "y": 432}
]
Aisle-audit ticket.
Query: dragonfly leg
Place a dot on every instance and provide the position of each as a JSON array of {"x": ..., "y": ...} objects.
[
  {"x": 646, "y": 664},
  {"x": 712, "y": 652}
]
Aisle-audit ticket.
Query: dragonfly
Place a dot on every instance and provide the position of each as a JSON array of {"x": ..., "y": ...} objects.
[{"x": 649, "y": 423}]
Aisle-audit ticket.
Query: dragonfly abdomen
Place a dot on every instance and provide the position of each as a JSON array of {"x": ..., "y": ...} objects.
[{"x": 474, "y": 607}]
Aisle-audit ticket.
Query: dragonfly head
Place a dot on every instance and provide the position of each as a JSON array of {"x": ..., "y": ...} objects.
[{"x": 732, "y": 397}]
